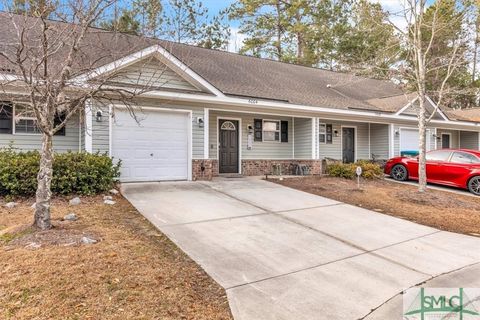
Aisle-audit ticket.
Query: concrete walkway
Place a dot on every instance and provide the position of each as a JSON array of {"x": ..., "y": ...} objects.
[{"x": 285, "y": 254}]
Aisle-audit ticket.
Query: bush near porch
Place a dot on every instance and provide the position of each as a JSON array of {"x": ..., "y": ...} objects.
[
  {"x": 348, "y": 170},
  {"x": 73, "y": 173}
]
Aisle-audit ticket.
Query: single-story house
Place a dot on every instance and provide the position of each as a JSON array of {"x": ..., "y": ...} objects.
[{"x": 211, "y": 112}]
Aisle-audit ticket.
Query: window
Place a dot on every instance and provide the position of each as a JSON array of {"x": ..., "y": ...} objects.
[
  {"x": 463, "y": 157},
  {"x": 25, "y": 120},
  {"x": 322, "y": 133},
  {"x": 440, "y": 155},
  {"x": 271, "y": 130},
  {"x": 6, "y": 118},
  {"x": 228, "y": 125}
]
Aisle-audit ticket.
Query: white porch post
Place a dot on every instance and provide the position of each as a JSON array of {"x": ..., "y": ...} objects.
[
  {"x": 369, "y": 142},
  {"x": 88, "y": 127},
  {"x": 293, "y": 137},
  {"x": 391, "y": 143},
  {"x": 206, "y": 136},
  {"x": 314, "y": 140}
]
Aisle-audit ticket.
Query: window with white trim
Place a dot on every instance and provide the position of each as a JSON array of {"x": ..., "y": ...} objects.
[
  {"x": 25, "y": 120},
  {"x": 271, "y": 130},
  {"x": 322, "y": 133}
]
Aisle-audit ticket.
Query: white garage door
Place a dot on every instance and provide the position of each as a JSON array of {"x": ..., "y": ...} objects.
[
  {"x": 409, "y": 140},
  {"x": 154, "y": 149}
]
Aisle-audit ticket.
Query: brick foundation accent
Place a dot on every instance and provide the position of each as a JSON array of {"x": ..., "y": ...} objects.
[
  {"x": 209, "y": 166},
  {"x": 262, "y": 167},
  {"x": 251, "y": 167}
]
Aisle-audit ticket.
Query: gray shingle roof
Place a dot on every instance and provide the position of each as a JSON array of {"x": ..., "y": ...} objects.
[{"x": 233, "y": 74}]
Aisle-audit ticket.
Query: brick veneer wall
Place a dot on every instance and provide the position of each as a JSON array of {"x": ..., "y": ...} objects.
[
  {"x": 204, "y": 169},
  {"x": 262, "y": 167},
  {"x": 252, "y": 167}
]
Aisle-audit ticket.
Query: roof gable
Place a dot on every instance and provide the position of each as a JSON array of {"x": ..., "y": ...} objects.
[
  {"x": 433, "y": 112},
  {"x": 151, "y": 72},
  {"x": 166, "y": 62}
]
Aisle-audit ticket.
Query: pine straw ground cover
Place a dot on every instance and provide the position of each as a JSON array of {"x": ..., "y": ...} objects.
[
  {"x": 133, "y": 272},
  {"x": 439, "y": 209}
]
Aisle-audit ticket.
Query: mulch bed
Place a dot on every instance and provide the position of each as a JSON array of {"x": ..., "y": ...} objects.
[
  {"x": 439, "y": 209},
  {"x": 132, "y": 272}
]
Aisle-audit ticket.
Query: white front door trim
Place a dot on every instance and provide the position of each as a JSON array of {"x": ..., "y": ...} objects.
[{"x": 239, "y": 140}]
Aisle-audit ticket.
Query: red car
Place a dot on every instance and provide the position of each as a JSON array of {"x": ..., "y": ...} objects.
[{"x": 452, "y": 167}]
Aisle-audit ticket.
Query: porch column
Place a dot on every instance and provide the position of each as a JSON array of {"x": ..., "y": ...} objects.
[
  {"x": 88, "y": 127},
  {"x": 391, "y": 141},
  {"x": 314, "y": 138},
  {"x": 206, "y": 136}
]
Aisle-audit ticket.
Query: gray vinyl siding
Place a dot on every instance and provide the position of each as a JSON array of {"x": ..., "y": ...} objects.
[
  {"x": 396, "y": 138},
  {"x": 334, "y": 150},
  {"x": 28, "y": 142},
  {"x": 260, "y": 150},
  {"x": 454, "y": 138},
  {"x": 152, "y": 73},
  {"x": 100, "y": 130},
  {"x": 469, "y": 140},
  {"x": 303, "y": 138},
  {"x": 379, "y": 140}
]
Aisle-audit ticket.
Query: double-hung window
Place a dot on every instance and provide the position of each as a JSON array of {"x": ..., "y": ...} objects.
[
  {"x": 271, "y": 130},
  {"x": 25, "y": 120},
  {"x": 322, "y": 133}
]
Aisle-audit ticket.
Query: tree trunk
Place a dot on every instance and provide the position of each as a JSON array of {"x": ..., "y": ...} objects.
[
  {"x": 422, "y": 161},
  {"x": 44, "y": 182}
]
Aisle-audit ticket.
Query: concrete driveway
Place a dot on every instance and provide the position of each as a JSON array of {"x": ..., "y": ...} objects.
[{"x": 285, "y": 254}]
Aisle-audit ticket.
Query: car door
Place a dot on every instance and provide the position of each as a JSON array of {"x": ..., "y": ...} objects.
[
  {"x": 436, "y": 161},
  {"x": 457, "y": 170}
]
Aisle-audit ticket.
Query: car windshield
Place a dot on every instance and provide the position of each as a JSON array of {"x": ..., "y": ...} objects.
[
  {"x": 439, "y": 155},
  {"x": 464, "y": 157}
]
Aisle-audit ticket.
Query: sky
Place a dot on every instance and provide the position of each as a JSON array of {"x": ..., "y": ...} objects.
[{"x": 214, "y": 6}]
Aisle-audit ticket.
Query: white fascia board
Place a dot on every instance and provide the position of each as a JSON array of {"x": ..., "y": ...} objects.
[
  {"x": 163, "y": 54},
  {"x": 437, "y": 109},
  {"x": 402, "y": 110},
  {"x": 253, "y": 104}
]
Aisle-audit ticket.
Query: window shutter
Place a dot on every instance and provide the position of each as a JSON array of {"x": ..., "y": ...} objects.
[
  {"x": 59, "y": 118},
  {"x": 6, "y": 118},
  {"x": 284, "y": 131},
  {"x": 257, "y": 128}
]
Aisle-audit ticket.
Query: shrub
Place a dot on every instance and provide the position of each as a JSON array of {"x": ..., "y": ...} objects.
[
  {"x": 73, "y": 173},
  {"x": 348, "y": 170}
]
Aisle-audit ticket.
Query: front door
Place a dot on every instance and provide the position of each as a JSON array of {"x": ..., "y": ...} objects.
[
  {"x": 228, "y": 146},
  {"x": 348, "y": 143},
  {"x": 445, "y": 141}
]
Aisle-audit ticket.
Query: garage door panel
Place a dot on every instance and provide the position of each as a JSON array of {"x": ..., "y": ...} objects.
[
  {"x": 154, "y": 149},
  {"x": 410, "y": 138}
]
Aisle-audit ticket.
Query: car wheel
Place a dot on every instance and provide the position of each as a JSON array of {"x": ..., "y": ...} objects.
[
  {"x": 474, "y": 185},
  {"x": 400, "y": 173}
]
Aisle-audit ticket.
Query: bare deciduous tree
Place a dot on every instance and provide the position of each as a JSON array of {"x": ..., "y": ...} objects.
[
  {"x": 419, "y": 40},
  {"x": 46, "y": 61}
]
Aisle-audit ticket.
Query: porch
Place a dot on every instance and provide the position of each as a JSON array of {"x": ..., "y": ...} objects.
[{"x": 260, "y": 143}]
